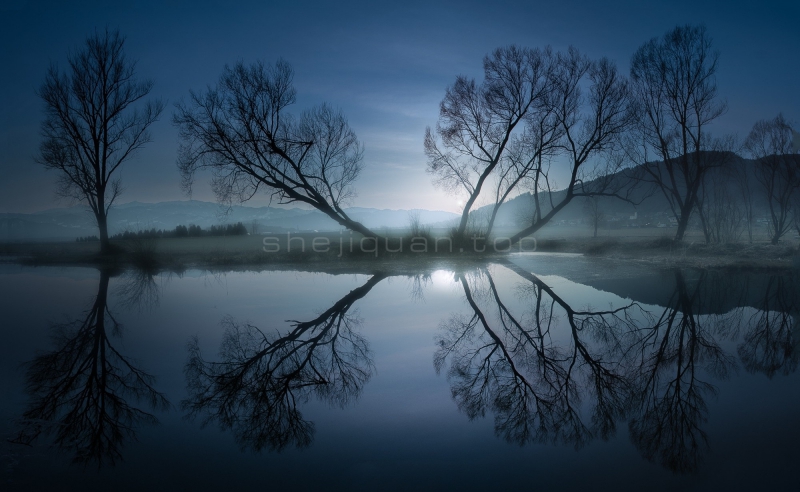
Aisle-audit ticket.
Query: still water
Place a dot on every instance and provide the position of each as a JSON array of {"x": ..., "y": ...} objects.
[{"x": 549, "y": 371}]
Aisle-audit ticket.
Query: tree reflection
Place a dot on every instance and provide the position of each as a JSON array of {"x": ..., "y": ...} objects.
[
  {"x": 769, "y": 344},
  {"x": 139, "y": 290},
  {"x": 672, "y": 356},
  {"x": 683, "y": 350},
  {"x": 555, "y": 373},
  {"x": 81, "y": 392},
  {"x": 521, "y": 371},
  {"x": 257, "y": 387}
]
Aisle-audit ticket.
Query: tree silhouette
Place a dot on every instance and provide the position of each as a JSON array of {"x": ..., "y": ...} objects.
[
  {"x": 533, "y": 106},
  {"x": 242, "y": 131},
  {"x": 673, "y": 79},
  {"x": 771, "y": 144},
  {"x": 80, "y": 391},
  {"x": 674, "y": 353},
  {"x": 557, "y": 374},
  {"x": 478, "y": 122},
  {"x": 591, "y": 105},
  {"x": 91, "y": 127},
  {"x": 256, "y": 389},
  {"x": 770, "y": 344},
  {"x": 533, "y": 385}
]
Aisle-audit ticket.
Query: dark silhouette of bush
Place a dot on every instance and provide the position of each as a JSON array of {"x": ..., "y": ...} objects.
[{"x": 192, "y": 230}]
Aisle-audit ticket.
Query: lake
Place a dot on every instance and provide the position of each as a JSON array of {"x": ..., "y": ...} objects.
[{"x": 544, "y": 371}]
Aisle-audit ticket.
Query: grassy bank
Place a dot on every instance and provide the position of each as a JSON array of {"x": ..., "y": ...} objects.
[{"x": 315, "y": 250}]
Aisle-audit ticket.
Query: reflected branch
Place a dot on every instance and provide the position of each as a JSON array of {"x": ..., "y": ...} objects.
[
  {"x": 79, "y": 392},
  {"x": 533, "y": 385},
  {"x": 257, "y": 387},
  {"x": 769, "y": 345},
  {"x": 673, "y": 355},
  {"x": 543, "y": 372}
]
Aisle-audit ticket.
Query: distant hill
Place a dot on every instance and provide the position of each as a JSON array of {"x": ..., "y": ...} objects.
[
  {"x": 77, "y": 221},
  {"x": 650, "y": 202},
  {"x": 72, "y": 222}
]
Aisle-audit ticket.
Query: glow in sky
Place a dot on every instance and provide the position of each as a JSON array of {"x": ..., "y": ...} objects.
[{"x": 386, "y": 66}]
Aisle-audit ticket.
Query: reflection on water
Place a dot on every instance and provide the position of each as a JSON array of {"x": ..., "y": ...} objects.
[
  {"x": 653, "y": 367},
  {"x": 84, "y": 392},
  {"x": 256, "y": 387},
  {"x": 533, "y": 382},
  {"x": 548, "y": 365},
  {"x": 769, "y": 344},
  {"x": 552, "y": 373}
]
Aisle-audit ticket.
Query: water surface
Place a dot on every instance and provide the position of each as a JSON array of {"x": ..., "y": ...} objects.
[{"x": 549, "y": 371}]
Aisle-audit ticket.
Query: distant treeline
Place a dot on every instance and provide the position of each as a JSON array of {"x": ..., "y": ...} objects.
[{"x": 237, "y": 229}]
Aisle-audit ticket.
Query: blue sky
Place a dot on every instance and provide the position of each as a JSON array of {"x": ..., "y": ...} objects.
[{"x": 386, "y": 65}]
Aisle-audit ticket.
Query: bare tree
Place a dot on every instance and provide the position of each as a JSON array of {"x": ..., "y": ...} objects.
[
  {"x": 590, "y": 101},
  {"x": 512, "y": 364},
  {"x": 241, "y": 130},
  {"x": 746, "y": 192},
  {"x": 595, "y": 214},
  {"x": 769, "y": 343},
  {"x": 722, "y": 216},
  {"x": 674, "y": 359},
  {"x": 527, "y": 164},
  {"x": 478, "y": 122},
  {"x": 674, "y": 83},
  {"x": 91, "y": 127},
  {"x": 771, "y": 144}
]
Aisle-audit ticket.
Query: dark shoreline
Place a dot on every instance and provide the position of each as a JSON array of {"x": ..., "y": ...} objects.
[{"x": 233, "y": 254}]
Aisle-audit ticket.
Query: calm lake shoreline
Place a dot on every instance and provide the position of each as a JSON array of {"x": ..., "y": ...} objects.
[{"x": 255, "y": 252}]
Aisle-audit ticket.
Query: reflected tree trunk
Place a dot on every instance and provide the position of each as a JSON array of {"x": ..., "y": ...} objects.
[{"x": 81, "y": 392}]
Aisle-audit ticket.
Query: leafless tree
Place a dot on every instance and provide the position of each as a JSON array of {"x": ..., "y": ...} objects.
[
  {"x": 722, "y": 216},
  {"x": 527, "y": 163},
  {"x": 242, "y": 131},
  {"x": 544, "y": 371},
  {"x": 674, "y": 354},
  {"x": 770, "y": 343},
  {"x": 91, "y": 126},
  {"x": 747, "y": 197},
  {"x": 478, "y": 122},
  {"x": 770, "y": 143},
  {"x": 673, "y": 80},
  {"x": 534, "y": 107},
  {"x": 590, "y": 101},
  {"x": 595, "y": 214}
]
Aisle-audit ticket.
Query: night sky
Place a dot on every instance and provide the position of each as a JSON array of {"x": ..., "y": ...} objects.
[{"x": 386, "y": 66}]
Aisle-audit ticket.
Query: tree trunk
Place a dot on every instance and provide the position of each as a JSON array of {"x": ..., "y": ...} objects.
[
  {"x": 595, "y": 227},
  {"x": 538, "y": 224},
  {"x": 462, "y": 225},
  {"x": 102, "y": 224},
  {"x": 683, "y": 224},
  {"x": 706, "y": 226},
  {"x": 491, "y": 221}
]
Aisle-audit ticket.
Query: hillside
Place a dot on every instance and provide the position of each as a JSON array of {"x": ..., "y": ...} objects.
[{"x": 651, "y": 208}]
